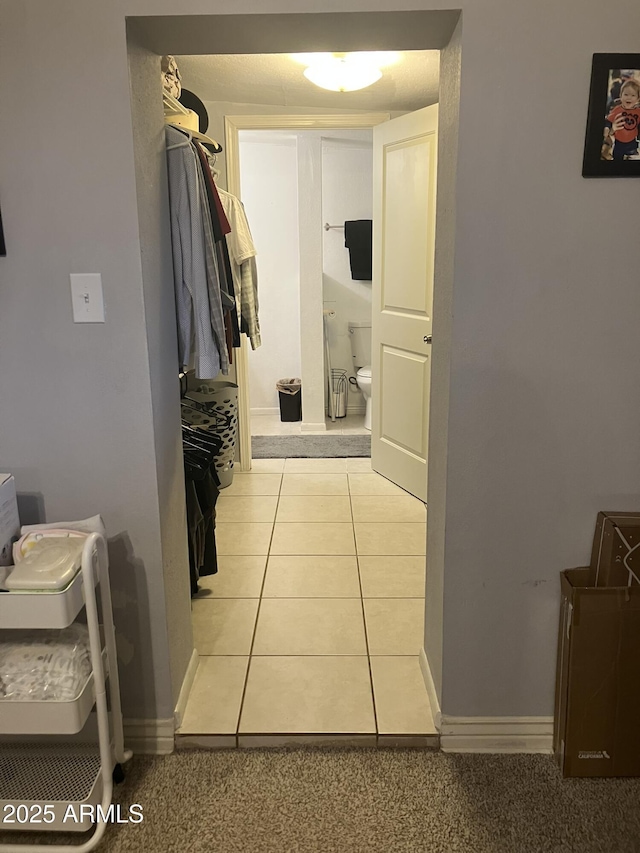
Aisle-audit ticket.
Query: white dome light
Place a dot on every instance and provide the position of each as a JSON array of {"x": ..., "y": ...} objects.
[{"x": 343, "y": 74}]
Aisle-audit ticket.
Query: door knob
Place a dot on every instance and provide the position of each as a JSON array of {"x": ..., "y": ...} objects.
[{"x": 428, "y": 339}]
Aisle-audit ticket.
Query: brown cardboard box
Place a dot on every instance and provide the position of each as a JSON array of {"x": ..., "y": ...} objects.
[
  {"x": 597, "y": 713},
  {"x": 615, "y": 556}
]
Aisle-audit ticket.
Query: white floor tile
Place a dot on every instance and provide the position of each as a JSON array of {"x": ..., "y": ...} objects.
[
  {"x": 395, "y": 626},
  {"x": 309, "y": 674},
  {"x": 335, "y": 741},
  {"x": 315, "y": 484},
  {"x": 243, "y": 538},
  {"x": 312, "y": 577},
  {"x": 372, "y": 484},
  {"x": 388, "y": 508},
  {"x": 377, "y": 539},
  {"x": 359, "y": 465},
  {"x": 267, "y": 466},
  {"x": 308, "y": 695},
  {"x": 253, "y": 484},
  {"x": 392, "y": 577},
  {"x": 272, "y": 425},
  {"x": 310, "y": 626},
  {"x": 402, "y": 704},
  {"x": 236, "y": 508},
  {"x": 239, "y": 576},
  {"x": 315, "y": 466},
  {"x": 224, "y": 626},
  {"x": 313, "y": 538},
  {"x": 216, "y": 696},
  {"x": 293, "y": 508}
]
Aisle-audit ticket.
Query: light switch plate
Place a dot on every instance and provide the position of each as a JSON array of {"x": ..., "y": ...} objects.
[{"x": 86, "y": 297}]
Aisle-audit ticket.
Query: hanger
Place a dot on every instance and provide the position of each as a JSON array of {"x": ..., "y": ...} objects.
[
  {"x": 202, "y": 440},
  {"x": 176, "y": 122},
  {"x": 221, "y": 420},
  {"x": 216, "y": 417},
  {"x": 188, "y": 133}
]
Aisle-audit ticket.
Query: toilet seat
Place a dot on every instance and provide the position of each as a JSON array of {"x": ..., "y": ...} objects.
[{"x": 365, "y": 372}]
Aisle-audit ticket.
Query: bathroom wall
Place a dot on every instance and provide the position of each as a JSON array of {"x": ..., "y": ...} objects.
[
  {"x": 269, "y": 163},
  {"x": 347, "y": 179},
  {"x": 269, "y": 182},
  {"x": 218, "y": 110}
]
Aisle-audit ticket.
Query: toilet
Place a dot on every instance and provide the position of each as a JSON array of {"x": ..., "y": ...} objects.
[{"x": 360, "y": 336}]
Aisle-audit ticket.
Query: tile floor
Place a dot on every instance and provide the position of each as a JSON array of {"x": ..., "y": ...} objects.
[
  {"x": 311, "y": 630},
  {"x": 272, "y": 425}
]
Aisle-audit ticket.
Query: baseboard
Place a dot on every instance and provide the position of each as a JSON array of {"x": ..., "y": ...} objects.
[
  {"x": 149, "y": 737},
  {"x": 496, "y": 734},
  {"x": 309, "y": 427},
  {"x": 274, "y": 410},
  {"x": 356, "y": 410},
  {"x": 187, "y": 684},
  {"x": 432, "y": 693}
]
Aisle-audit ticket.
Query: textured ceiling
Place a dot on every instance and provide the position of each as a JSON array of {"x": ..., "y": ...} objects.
[{"x": 277, "y": 79}]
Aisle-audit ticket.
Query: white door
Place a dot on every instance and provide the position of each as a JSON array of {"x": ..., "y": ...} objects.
[{"x": 404, "y": 195}]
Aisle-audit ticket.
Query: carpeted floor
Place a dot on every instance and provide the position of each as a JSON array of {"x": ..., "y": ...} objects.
[{"x": 370, "y": 801}]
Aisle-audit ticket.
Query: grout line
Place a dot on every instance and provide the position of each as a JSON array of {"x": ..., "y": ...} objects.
[
  {"x": 255, "y": 626},
  {"x": 364, "y": 619}
]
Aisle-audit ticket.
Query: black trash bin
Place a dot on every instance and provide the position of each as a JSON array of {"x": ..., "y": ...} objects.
[{"x": 290, "y": 394}]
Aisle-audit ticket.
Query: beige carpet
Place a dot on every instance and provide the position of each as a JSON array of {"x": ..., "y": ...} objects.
[{"x": 370, "y": 801}]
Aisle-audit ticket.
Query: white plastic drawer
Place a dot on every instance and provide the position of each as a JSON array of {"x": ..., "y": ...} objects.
[
  {"x": 49, "y": 717},
  {"x": 39, "y": 609}
]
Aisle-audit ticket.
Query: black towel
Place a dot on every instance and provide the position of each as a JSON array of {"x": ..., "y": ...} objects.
[{"x": 358, "y": 240}]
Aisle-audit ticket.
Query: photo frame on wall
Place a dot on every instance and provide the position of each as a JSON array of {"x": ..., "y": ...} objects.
[{"x": 612, "y": 144}]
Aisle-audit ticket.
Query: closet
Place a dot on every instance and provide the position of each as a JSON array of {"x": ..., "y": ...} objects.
[{"x": 216, "y": 296}]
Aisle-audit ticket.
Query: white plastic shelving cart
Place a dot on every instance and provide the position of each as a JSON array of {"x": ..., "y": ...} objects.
[{"x": 59, "y": 774}]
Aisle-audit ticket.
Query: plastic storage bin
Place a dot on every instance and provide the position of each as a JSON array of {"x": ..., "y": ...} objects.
[{"x": 221, "y": 401}]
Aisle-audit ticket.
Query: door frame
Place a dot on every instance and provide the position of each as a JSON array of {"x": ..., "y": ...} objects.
[{"x": 233, "y": 124}]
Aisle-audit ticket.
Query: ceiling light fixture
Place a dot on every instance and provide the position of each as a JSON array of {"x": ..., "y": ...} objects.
[{"x": 346, "y": 73}]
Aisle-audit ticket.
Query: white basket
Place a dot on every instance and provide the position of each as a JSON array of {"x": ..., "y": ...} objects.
[{"x": 222, "y": 398}]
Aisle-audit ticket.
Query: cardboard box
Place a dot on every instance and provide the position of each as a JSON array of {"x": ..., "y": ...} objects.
[
  {"x": 9, "y": 520},
  {"x": 597, "y": 713},
  {"x": 615, "y": 556}
]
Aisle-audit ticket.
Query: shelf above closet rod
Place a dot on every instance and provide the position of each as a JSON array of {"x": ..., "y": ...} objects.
[{"x": 173, "y": 106}]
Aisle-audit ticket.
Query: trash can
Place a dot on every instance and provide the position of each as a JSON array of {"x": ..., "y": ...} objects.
[{"x": 290, "y": 394}]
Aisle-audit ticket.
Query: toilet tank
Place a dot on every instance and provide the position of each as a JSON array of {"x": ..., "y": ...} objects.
[{"x": 360, "y": 336}]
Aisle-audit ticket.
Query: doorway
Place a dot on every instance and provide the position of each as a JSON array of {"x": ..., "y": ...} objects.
[
  {"x": 315, "y": 622},
  {"x": 256, "y": 473},
  {"x": 300, "y": 178}
]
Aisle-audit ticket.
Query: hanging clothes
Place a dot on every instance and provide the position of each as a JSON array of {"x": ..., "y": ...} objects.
[
  {"x": 222, "y": 228},
  {"x": 195, "y": 290},
  {"x": 211, "y": 226},
  {"x": 242, "y": 252},
  {"x": 200, "y": 450}
]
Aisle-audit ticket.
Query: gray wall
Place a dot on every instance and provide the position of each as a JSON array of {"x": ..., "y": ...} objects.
[
  {"x": 76, "y": 419},
  {"x": 543, "y": 421},
  {"x": 449, "y": 101},
  {"x": 160, "y": 317}
]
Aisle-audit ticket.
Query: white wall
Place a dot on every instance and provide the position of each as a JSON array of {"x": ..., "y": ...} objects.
[
  {"x": 347, "y": 183},
  {"x": 217, "y": 110},
  {"x": 336, "y": 185},
  {"x": 269, "y": 182}
]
